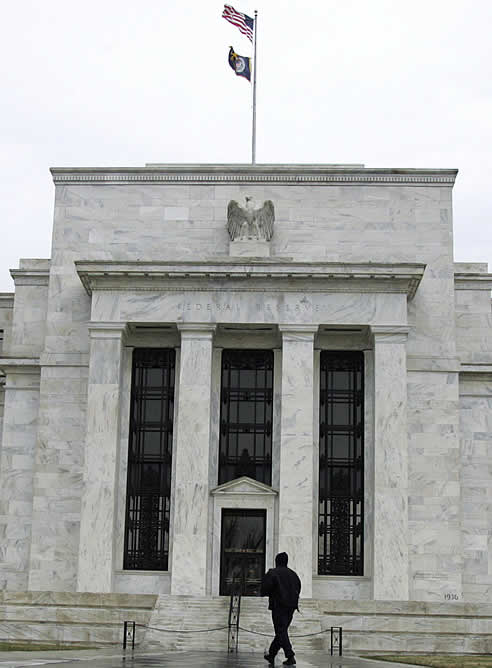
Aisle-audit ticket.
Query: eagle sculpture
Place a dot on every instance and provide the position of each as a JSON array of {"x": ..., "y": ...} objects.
[{"x": 250, "y": 223}]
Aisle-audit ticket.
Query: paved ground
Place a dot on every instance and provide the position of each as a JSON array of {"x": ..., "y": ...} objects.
[{"x": 113, "y": 658}]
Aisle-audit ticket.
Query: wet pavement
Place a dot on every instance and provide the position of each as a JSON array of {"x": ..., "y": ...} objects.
[{"x": 113, "y": 658}]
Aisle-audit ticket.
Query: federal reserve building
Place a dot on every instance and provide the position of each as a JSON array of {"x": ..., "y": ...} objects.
[{"x": 221, "y": 362}]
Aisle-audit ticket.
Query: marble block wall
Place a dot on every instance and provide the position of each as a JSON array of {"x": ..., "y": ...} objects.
[
  {"x": 473, "y": 313},
  {"x": 476, "y": 481},
  {"x": 20, "y": 425},
  {"x": 434, "y": 504},
  {"x": 30, "y": 308},
  {"x": 6, "y": 314},
  {"x": 58, "y": 475},
  {"x": 16, "y": 475}
]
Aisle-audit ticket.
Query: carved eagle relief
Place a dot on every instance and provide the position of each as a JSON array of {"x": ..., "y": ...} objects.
[{"x": 250, "y": 223}]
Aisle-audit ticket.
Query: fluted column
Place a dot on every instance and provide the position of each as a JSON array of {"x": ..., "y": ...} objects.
[
  {"x": 96, "y": 567},
  {"x": 390, "y": 576},
  {"x": 297, "y": 450},
  {"x": 191, "y": 488}
]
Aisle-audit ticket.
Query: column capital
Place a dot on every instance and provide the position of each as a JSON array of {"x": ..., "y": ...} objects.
[
  {"x": 389, "y": 333},
  {"x": 297, "y": 330},
  {"x": 196, "y": 330},
  {"x": 108, "y": 330}
]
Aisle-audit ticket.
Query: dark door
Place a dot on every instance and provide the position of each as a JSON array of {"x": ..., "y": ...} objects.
[{"x": 242, "y": 559}]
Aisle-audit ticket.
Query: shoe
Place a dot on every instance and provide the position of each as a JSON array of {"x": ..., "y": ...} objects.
[
  {"x": 291, "y": 661},
  {"x": 270, "y": 659}
]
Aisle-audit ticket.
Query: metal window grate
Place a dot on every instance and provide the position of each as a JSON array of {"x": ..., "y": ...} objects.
[
  {"x": 246, "y": 415},
  {"x": 149, "y": 460},
  {"x": 341, "y": 464}
]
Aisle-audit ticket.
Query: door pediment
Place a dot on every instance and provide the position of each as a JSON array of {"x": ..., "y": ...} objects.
[{"x": 243, "y": 486}]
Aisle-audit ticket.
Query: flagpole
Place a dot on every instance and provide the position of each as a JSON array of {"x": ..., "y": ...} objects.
[{"x": 253, "y": 148}]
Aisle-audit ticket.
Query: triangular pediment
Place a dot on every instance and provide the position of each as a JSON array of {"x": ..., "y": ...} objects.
[{"x": 244, "y": 485}]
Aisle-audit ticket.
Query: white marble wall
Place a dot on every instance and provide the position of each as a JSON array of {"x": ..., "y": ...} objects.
[
  {"x": 476, "y": 485},
  {"x": 296, "y": 451},
  {"x": 191, "y": 485},
  {"x": 390, "y": 551},
  {"x": 24, "y": 324},
  {"x": 435, "y": 503},
  {"x": 16, "y": 475},
  {"x": 58, "y": 473},
  {"x": 97, "y": 520},
  {"x": 473, "y": 313},
  {"x": 30, "y": 308},
  {"x": 6, "y": 312},
  {"x": 6, "y": 315}
]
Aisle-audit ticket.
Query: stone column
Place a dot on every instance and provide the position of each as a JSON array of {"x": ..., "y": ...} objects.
[
  {"x": 390, "y": 555},
  {"x": 97, "y": 525},
  {"x": 17, "y": 455},
  {"x": 191, "y": 486},
  {"x": 297, "y": 451}
]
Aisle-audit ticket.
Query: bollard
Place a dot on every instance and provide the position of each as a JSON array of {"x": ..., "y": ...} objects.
[
  {"x": 234, "y": 612},
  {"x": 336, "y": 640},
  {"x": 128, "y": 634}
]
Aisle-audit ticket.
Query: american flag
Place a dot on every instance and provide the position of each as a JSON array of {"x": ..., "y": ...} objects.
[{"x": 242, "y": 21}]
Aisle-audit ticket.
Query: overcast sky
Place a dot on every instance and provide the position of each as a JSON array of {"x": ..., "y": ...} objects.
[{"x": 387, "y": 83}]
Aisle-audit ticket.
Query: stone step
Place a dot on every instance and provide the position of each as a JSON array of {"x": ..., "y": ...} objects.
[
  {"x": 71, "y": 618},
  {"x": 255, "y": 616},
  {"x": 179, "y": 614}
]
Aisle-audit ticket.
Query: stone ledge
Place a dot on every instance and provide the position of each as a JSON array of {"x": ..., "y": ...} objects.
[
  {"x": 20, "y": 364},
  {"x": 73, "y": 599}
]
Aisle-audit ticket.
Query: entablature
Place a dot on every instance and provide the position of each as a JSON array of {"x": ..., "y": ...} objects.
[{"x": 253, "y": 275}]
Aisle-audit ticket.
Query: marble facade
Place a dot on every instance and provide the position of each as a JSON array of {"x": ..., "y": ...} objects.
[{"x": 360, "y": 259}]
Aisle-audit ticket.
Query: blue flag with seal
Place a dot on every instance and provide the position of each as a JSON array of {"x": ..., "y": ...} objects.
[{"x": 240, "y": 64}]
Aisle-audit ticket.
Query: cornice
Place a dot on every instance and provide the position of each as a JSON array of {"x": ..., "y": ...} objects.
[
  {"x": 6, "y": 300},
  {"x": 30, "y": 276},
  {"x": 469, "y": 281},
  {"x": 479, "y": 370},
  {"x": 24, "y": 365},
  {"x": 257, "y": 276},
  {"x": 227, "y": 173}
]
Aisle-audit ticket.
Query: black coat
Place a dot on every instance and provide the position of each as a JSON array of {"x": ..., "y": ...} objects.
[{"x": 282, "y": 586}]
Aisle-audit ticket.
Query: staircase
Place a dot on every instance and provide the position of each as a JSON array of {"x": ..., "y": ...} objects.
[
  {"x": 255, "y": 616},
  {"x": 185, "y": 613},
  {"x": 189, "y": 613}
]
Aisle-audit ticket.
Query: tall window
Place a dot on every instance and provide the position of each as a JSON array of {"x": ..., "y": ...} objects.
[
  {"x": 341, "y": 464},
  {"x": 149, "y": 460},
  {"x": 246, "y": 415}
]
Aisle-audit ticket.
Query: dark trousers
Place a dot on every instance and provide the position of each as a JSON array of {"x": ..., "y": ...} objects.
[{"x": 281, "y": 618}]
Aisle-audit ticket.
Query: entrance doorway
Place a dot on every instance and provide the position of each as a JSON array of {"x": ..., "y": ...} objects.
[{"x": 242, "y": 554}]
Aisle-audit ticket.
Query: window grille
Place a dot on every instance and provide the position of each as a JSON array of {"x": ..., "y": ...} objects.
[
  {"x": 246, "y": 415},
  {"x": 149, "y": 460},
  {"x": 341, "y": 464}
]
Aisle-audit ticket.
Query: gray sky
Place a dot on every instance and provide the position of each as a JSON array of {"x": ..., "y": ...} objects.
[{"x": 387, "y": 83}]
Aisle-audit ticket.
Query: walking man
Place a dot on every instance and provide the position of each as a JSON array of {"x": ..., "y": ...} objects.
[{"x": 282, "y": 586}]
